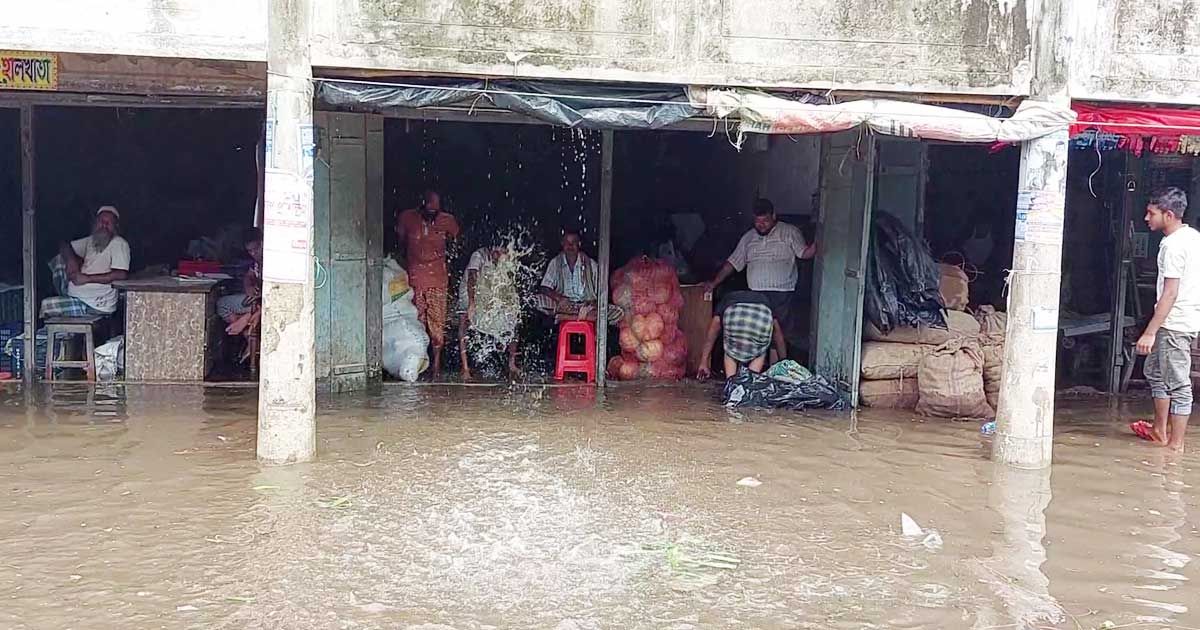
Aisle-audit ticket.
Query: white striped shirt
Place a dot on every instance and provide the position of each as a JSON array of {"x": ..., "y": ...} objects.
[{"x": 770, "y": 261}]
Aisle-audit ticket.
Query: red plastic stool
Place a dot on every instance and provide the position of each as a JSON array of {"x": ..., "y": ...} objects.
[{"x": 579, "y": 363}]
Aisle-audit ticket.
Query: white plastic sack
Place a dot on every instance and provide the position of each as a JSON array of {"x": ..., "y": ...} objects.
[
  {"x": 405, "y": 348},
  {"x": 397, "y": 293},
  {"x": 110, "y": 359},
  {"x": 405, "y": 342}
]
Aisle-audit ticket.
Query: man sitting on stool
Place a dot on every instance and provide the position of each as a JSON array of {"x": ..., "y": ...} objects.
[
  {"x": 569, "y": 287},
  {"x": 84, "y": 270},
  {"x": 750, "y": 331}
]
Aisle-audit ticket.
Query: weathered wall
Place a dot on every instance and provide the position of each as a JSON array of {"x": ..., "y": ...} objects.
[
  {"x": 1137, "y": 50},
  {"x": 1124, "y": 50},
  {"x": 200, "y": 29},
  {"x": 960, "y": 46}
]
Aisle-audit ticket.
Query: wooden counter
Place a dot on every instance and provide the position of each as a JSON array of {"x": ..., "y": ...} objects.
[{"x": 171, "y": 328}]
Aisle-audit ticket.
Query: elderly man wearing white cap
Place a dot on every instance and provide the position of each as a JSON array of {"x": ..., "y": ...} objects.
[{"x": 85, "y": 269}]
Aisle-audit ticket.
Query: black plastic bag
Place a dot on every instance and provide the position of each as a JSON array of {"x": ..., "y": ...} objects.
[
  {"x": 902, "y": 287},
  {"x": 747, "y": 389}
]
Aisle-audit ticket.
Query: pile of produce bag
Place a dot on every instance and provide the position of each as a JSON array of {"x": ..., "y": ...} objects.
[{"x": 652, "y": 345}]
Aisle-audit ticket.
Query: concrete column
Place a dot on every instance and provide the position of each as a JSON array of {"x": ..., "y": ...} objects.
[
  {"x": 1025, "y": 418},
  {"x": 606, "y": 182},
  {"x": 287, "y": 389},
  {"x": 29, "y": 244}
]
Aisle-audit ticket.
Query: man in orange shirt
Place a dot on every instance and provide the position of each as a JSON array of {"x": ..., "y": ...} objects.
[{"x": 422, "y": 236}]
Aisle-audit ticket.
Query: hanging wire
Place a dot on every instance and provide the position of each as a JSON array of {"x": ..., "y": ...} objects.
[{"x": 1099, "y": 163}]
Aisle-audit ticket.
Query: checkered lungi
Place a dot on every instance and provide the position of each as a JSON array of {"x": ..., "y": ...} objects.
[
  {"x": 63, "y": 305},
  {"x": 545, "y": 305},
  {"x": 431, "y": 303},
  {"x": 747, "y": 331}
]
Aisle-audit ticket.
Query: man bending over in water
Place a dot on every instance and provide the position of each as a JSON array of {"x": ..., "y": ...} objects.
[{"x": 750, "y": 332}]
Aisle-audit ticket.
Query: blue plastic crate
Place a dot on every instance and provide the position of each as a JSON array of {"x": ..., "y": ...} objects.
[
  {"x": 8, "y": 330},
  {"x": 12, "y": 304},
  {"x": 14, "y": 363}
]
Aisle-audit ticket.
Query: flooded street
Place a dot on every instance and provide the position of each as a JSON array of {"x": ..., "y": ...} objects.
[{"x": 440, "y": 507}]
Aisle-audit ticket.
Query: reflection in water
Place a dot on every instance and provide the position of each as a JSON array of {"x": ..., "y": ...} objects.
[
  {"x": 562, "y": 507},
  {"x": 1014, "y": 571},
  {"x": 1155, "y": 587}
]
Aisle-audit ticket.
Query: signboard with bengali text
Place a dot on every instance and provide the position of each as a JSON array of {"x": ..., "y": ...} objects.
[{"x": 28, "y": 70}]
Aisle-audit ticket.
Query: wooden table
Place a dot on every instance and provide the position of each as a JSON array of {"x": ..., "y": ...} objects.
[{"x": 171, "y": 328}]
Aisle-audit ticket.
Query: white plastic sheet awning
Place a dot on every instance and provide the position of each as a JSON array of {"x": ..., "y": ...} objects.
[{"x": 758, "y": 112}]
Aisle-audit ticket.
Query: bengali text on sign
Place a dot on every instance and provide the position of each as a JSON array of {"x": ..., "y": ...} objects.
[{"x": 28, "y": 70}]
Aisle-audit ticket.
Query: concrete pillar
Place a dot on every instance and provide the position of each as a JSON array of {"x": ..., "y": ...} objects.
[
  {"x": 287, "y": 389},
  {"x": 29, "y": 244},
  {"x": 1025, "y": 418}
]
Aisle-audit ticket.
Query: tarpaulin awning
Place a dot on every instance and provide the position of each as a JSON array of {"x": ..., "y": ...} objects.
[
  {"x": 596, "y": 106},
  {"x": 559, "y": 103},
  {"x": 1136, "y": 129},
  {"x": 1136, "y": 121},
  {"x": 763, "y": 113}
]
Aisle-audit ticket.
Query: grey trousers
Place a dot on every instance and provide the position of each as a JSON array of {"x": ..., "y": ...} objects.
[{"x": 1169, "y": 370}]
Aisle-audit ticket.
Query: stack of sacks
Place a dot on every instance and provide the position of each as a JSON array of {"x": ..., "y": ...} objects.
[
  {"x": 891, "y": 362},
  {"x": 954, "y": 287},
  {"x": 992, "y": 325},
  {"x": 652, "y": 346}
]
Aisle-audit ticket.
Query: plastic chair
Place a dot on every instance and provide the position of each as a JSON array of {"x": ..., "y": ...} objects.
[{"x": 577, "y": 363}]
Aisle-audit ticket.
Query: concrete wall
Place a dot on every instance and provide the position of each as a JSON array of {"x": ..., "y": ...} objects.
[
  {"x": 960, "y": 46},
  {"x": 1147, "y": 50},
  {"x": 200, "y": 29},
  {"x": 1137, "y": 50}
]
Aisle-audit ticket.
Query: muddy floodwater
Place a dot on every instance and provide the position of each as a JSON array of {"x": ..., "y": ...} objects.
[{"x": 449, "y": 507}]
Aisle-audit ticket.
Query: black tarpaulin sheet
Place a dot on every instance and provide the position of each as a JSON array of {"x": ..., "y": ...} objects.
[{"x": 558, "y": 103}]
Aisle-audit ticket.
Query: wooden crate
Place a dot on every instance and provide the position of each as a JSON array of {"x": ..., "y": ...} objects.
[{"x": 693, "y": 321}]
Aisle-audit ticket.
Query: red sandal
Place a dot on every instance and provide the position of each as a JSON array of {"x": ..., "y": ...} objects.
[{"x": 1144, "y": 430}]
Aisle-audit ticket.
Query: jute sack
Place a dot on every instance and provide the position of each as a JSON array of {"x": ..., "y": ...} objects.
[
  {"x": 950, "y": 382},
  {"x": 993, "y": 359},
  {"x": 892, "y": 394},
  {"x": 991, "y": 321},
  {"x": 883, "y": 361},
  {"x": 954, "y": 287},
  {"x": 993, "y": 399},
  {"x": 958, "y": 324}
]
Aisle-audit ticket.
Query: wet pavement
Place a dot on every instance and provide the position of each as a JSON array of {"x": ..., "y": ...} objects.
[{"x": 437, "y": 507}]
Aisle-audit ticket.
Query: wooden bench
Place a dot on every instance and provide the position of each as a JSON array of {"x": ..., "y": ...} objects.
[{"x": 66, "y": 326}]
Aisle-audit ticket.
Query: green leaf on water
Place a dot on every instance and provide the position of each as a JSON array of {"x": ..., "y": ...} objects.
[{"x": 337, "y": 502}]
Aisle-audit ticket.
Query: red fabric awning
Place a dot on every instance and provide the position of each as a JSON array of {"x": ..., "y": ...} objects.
[{"x": 1136, "y": 121}]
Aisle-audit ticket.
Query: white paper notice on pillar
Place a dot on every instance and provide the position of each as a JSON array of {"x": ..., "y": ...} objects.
[
  {"x": 287, "y": 228},
  {"x": 1039, "y": 217},
  {"x": 308, "y": 152}
]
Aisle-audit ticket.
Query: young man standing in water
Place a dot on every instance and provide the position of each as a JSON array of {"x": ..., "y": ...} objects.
[
  {"x": 422, "y": 234},
  {"x": 1167, "y": 341}
]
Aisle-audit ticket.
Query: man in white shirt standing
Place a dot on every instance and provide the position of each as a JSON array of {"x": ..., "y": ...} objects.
[
  {"x": 769, "y": 253},
  {"x": 85, "y": 269},
  {"x": 1167, "y": 341}
]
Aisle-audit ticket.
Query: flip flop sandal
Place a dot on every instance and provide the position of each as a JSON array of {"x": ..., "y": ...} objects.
[{"x": 1143, "y": 429}]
